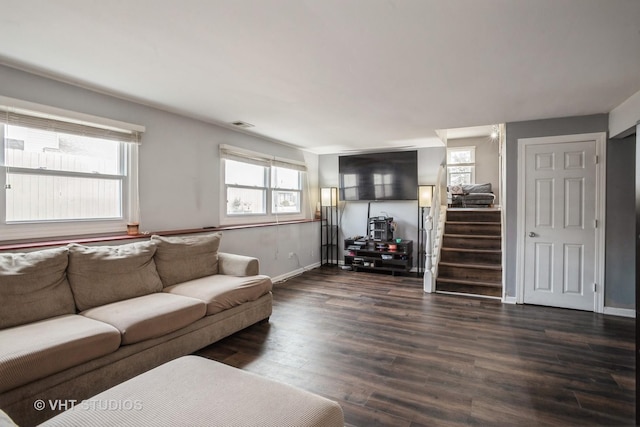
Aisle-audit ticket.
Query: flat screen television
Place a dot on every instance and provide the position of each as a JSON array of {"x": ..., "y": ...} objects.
[{"x": 379, "y": 176}]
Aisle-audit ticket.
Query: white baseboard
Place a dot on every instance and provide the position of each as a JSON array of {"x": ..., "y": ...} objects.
[
  {"x": 466, "y": 295},
  {"x": 296, "y": 272},
  {"x": 509, "y": 300},
  {"x": 624, "y": 312}
]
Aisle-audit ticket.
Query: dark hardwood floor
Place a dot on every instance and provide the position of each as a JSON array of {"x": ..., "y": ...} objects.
[{"x": 394, "y": 356}]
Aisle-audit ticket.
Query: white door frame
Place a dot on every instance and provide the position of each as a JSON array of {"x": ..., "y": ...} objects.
[{"x": 601, "y": 151}]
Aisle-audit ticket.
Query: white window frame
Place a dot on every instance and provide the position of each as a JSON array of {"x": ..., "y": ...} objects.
[
  {"x": 471, "y": 165},
  {"x": 71, "y": 120},
  {"x": 228, "y": 152}
]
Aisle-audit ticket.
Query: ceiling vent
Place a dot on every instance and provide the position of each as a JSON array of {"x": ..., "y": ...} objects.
[{"x": 242, "y": 124}]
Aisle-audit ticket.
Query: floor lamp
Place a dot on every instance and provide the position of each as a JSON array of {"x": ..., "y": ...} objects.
[{"x": 329, "y": 228}]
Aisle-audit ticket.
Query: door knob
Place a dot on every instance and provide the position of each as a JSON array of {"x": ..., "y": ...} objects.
[{"x": 532, "y": 234}]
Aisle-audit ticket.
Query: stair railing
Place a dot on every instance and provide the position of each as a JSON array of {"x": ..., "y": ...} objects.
[{"x": 432, "y": 247}]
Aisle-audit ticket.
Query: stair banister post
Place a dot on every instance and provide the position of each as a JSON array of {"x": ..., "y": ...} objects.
[{"x": 428, "y": 270}]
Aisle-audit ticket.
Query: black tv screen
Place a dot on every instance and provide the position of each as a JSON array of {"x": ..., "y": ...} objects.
[{"x": 379, "y": 176}]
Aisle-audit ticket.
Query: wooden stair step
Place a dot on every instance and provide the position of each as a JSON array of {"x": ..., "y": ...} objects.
[
  {"x": 471, "y": 255},
  {"x": 475, "y": 222},
  {"x": 473, "y": 236},
  {"x": 468, "y": 287},
  {"x": 473, "y": 215},
  {"x": 472, "y": 241},
  {"x": 469, "y": 282},
  {"x": 476, "y": 266},
  {"x": 477, "y": 272},
  {"x": 473, "y": 250},
  {"x": 467, "y": 227}
]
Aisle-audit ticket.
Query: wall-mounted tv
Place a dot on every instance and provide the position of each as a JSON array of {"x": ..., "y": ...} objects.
[{"x": 379, "y": 176}]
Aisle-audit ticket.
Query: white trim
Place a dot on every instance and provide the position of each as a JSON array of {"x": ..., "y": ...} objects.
[
  {"x": 467, "y": 295},
  {"x": 623, "y": 312},
  {"x": 19, "y": 231},
  {"x": 600, "y": 139},
  {"x": 601, "y": 209},
  {"x": 502, "y": 194},
  {"x": 625, "y": 116},
  {"x": 286, "y": 276},
  {"x": 520, "y": 225},
  {"x": 82, "y": 118}
]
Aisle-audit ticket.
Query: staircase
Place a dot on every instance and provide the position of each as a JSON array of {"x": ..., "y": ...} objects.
[{"x": 471, "y": 254}]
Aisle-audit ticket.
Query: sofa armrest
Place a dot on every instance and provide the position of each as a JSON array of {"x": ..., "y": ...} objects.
[{"x": 237, "y": 265}]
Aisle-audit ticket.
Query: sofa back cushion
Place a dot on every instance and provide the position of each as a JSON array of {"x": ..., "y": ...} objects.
[
  {"x": 34, "y": 286},
  {"x": 184, "y": 258},
  {"x": 477, "y": 188},
  {"x": 101, "y": 275}
]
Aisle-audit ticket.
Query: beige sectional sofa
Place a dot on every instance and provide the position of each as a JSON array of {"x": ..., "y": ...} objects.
[{"x": 79, "y": 319}]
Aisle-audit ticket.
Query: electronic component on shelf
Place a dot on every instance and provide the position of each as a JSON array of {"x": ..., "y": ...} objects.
[{"x": 381, "y": 228}]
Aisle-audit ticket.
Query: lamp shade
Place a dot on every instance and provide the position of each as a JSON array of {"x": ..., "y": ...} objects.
[
  {"x": 425, "y": 196},
  {"x": 329, "y": 196}
]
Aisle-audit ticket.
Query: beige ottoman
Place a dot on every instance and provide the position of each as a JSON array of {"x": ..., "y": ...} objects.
[{"x": 194, "y": 391}]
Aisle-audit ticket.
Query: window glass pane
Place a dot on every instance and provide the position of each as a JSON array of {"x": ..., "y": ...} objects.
[
  {"x": 239, "y": 173},
  {"x": 459, "y": 175},
  {"x": 285, "y": 178},
  {"x": 460, "y": 157},
  {"x": 47, "y": 198},
  {"x": 286, "y": 201},
  {"x": 459, "y": 179},
  {"x": 244, "y": 201},
  {"x": 40, "y": 149}
]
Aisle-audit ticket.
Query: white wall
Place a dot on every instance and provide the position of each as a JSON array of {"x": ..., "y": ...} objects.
[
  {"x": 179, "y": 168},
  {"x": 353, "y": 215},
  {"x": 272, "y": 246}
]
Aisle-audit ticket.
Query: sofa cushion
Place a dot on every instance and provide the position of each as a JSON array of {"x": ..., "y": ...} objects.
[
  {"x": 101, "y": 275},
  {"x": 179, "y": 259},
  {"x": 194, "y": 391},
  {"x": 237, "y": 265},
  {"x": 222, "y": 292},
  {"x": 39, "y": 349},
  {"x": 34, "y": 286},
  {"x": 149, "y": 316},
  {"x": 484, "y": 197},
  {"x": 477, "y": 188}
]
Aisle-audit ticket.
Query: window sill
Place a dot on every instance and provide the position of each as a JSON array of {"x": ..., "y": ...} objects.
[{"x": 31, "y": 244}]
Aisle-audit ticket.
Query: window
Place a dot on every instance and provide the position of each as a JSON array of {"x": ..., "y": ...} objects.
[
  {"x": 258, "y": 187},
  {"x": 461, "y": 165},
  {"x": 63, "y": 175}
]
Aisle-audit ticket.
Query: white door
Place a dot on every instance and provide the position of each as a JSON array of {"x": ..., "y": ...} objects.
[{"x": 559, "y": 266}]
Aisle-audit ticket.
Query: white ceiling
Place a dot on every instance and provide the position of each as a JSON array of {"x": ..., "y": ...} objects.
[{"x": 337, "y": 75}]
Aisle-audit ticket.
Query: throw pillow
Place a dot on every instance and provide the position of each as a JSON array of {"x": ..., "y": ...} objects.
[
  {"x": 101, "y": 275},
  {"x": 34, "y": 286},
  {"x": 184, "y": 258},
  {"x": 456, "y": 189}
]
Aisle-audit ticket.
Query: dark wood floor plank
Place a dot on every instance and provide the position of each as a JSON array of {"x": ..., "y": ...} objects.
[{"x": 392, "y": 355}]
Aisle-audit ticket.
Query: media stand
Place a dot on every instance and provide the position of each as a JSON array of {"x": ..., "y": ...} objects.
[{"x": 369, "y": 255}]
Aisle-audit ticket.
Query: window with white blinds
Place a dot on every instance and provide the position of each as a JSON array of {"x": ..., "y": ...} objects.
[
  {"x": 258, "y": 188},
  {"x": 65, "y": 173}
]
